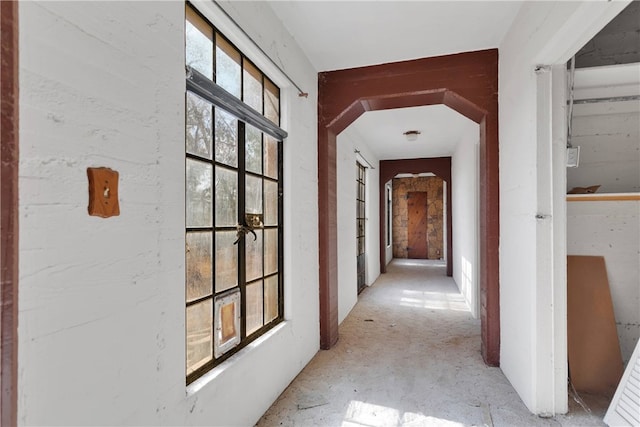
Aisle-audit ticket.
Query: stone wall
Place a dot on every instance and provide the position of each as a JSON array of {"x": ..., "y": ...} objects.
[{"x": 435, "y": 221}]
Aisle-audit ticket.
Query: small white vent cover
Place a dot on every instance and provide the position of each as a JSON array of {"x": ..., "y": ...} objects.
[{"x": 625, "y": 406}]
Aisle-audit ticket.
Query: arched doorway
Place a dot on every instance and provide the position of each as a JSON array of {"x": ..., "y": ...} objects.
[{"x": 467, "y": 83}]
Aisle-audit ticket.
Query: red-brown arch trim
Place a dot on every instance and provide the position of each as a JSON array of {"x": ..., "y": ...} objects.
[
  {"x": 466, "y": 82},
  {"x": 441, "y": 167},
  {"x": 9, "y": 211}
]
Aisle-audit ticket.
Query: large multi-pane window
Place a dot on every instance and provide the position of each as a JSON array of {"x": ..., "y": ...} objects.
[
  {"x": 360, "y": 226},
  {"x": 233, "y": 208}
]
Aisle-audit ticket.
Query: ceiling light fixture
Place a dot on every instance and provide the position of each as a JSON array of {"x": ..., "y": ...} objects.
[{"x": 412, "y": 135}]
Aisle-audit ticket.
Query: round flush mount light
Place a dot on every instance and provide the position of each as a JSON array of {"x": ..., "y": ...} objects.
[{"x": 412, "y": 135}]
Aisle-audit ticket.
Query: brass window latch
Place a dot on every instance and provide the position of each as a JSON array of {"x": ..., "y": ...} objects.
[
  {"x": 251, "y": 222},
  {"x": 243, "y": 230}
]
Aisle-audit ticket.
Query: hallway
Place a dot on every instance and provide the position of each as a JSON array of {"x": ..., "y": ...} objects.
[{"x": 408, "y": 354}]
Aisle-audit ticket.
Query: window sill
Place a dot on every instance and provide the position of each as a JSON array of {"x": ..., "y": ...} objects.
[{"x": 207, "y": 378}]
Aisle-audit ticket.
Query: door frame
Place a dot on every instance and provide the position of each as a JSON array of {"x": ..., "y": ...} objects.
[
  {"x": 551, "y": 353},
  {"x": 9, "y": 128},
  {"x": 467, "y": 83},
  {"x": 440, "y": 167}
]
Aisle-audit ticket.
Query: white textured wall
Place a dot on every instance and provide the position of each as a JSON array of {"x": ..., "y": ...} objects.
[
  {"x": 612, "y": 229},
  {"x": 101, "y": 320},
  {"x": 464, "y": 175},
  {"x": 346, "y": 195},
  {"x": 609, "y": 149},
  {"x": 373, "y": 216},
  {"x": 543, "y": 33},
  {"x": 346, "y": 159},
  {"x": 608, "y": 133}
]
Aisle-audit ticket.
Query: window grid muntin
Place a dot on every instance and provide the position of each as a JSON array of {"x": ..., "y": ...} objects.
[
  {"x": 241, "y": 199},
  {"x": 243, "y": 58},
  {"x": 242, "y": 283},
  {"x": 360, "y": 211}
]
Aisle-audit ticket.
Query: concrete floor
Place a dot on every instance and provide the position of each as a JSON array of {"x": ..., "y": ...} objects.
[{"x": 409, "y": 355}]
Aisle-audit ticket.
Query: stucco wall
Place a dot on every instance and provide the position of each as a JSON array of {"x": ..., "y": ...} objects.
[
  {"x": 608, "y": 134},
  {"x": 464, "y": 175},
  {"x": 433, "y": 186},
  {"x": 102, "y": 316}
]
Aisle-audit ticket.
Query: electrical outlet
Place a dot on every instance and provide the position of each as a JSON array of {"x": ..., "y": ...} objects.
[{"x": 573, "y": 157}]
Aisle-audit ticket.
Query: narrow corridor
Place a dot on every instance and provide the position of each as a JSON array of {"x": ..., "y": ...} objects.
[{"x": 408, "y": 355}]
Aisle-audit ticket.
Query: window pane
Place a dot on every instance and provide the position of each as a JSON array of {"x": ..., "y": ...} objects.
[
  {"x": 199, "y": 265},
  {"x": 270, "y": 202},
  {"x": 226, "y": 197},
  {"x": 270, "y": 157},
  {"x": 226, "y": 260},
  {"x": 253, "y": 150},
  {"x": 270, "y": 251},
  {"x": 253, "y": 196},
  {"x": 226, "y": 138},
  {"x": 252, "y": 86},
  {"x": 199, "y": 332},
  {"x": 254, "y": 307},
  {"x": 199, "y": 208},
  {"x": 271, "y": 102},
  {"x": 227, "y": 66},
  {"x": 254, "y": 256},
  {"x": 199, "y": 45},
  {"x": 198, "y": 126},
  {"x": 227, "y": 323},
  {"x": 270, "y": 298}
]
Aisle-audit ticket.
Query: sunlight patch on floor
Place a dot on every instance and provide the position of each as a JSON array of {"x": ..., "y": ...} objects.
[
  {"x": 434, "y": 300},
  {"x": 420, "y": 262},
  {"x": 363, "y": 414}
]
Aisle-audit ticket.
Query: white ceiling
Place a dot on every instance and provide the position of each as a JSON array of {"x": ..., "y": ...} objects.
[
  {"x": 346, "y": 34},
  {"x": 382, "y": 131}
]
